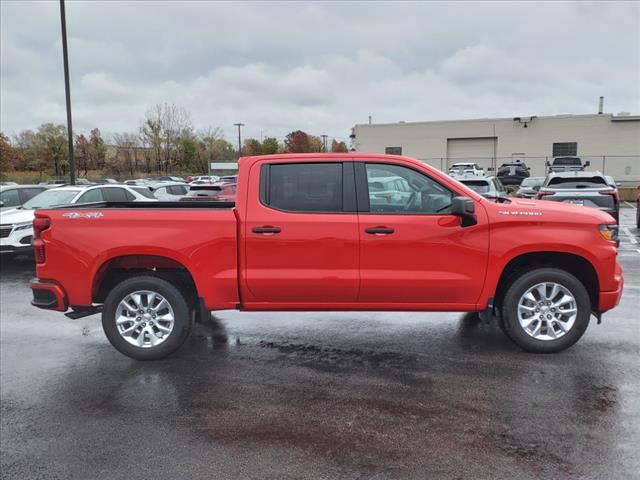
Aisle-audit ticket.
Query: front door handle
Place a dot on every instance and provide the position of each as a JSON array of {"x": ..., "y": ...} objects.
[
  {"x": 266, "y": 230},
  {"x": 379, "y": 230}
]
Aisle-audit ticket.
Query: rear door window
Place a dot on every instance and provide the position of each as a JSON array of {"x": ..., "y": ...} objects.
[
  {"x": 94, "y": 195},
  {"x": 118, "y": 195},
  {"x": 144, "y": 191},
  {"x": 305, "y": 187},
  {"x": 10, "y": 198}
]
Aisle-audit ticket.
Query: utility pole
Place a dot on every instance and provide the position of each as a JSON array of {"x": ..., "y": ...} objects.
[
  {"x": 65, "y": 56},
  {"x": 239, "y": 125},
  {"x": 324, "y": 141}
]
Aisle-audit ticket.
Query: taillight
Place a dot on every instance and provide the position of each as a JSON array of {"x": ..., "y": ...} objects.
[
  {"x": 543, "y": 194},
  {"x": 613, "y": 193},
  {"x": 38, "y": 251},
  {"x": 40, "y": 224}
]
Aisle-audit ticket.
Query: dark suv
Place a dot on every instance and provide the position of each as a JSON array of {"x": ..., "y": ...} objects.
[
  {"x": 512, "y": 173},
  {"x": 589, "y": 189}
]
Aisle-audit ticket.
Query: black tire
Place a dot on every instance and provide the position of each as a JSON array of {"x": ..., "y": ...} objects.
[
  {"x": 177, "y": 301},
  {"x": 520, "y": 285}
]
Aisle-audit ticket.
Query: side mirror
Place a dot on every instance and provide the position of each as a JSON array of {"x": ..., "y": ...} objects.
[
  {"x": 529, "y": 168},
  {"x": 587, "y": 163},
  {"x": 490, "y": 169},
  {"x": 464, "y": 208},
  {"x": 547, "y": 163}
]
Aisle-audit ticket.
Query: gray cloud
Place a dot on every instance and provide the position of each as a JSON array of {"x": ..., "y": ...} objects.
[{"x": 317, "y": 66}]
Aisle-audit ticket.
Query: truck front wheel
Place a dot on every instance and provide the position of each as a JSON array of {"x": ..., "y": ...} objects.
[
  {"x": 146, "y": 318},
  {"x": 546, "y": 310}
]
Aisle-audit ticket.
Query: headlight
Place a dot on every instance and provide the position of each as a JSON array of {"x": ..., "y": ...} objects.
[
  {"x": 609, "y": 231},
  {"x": 22, "y": 226}
]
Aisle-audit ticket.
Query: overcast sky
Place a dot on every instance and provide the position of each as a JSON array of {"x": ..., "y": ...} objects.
[{"x": 319, "y": 67}]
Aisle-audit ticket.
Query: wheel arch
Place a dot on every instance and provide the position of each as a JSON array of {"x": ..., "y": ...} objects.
[
  {"x": 118, "y": 268},
  {"x": 578, "y": 266}
]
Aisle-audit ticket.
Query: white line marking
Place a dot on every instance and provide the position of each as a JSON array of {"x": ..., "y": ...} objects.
[
  {"x": 630, "y": 204},
  {"x": 627, "y": 232}
]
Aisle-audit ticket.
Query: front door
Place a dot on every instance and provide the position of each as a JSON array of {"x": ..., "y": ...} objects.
[
  {"x": 412, "y": 250},
  {"x": 301, "y": 236}
]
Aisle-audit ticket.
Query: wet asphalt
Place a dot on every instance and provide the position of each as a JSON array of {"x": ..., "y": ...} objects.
[{"x": 319, "y": 395}]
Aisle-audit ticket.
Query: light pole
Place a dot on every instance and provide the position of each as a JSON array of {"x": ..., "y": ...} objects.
[
  {"x": 65, "y": 57},
  {"x": 239, "y": 125},
  {"x": 324, "y": 141}
]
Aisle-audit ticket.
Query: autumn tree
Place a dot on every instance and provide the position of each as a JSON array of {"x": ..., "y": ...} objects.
[
  {"x": 338, "y": 147},
  {"x": 315, "y": 144},
  {"x": 127, "y": 151},
  {"x": 81, "y": 149},
  {"x": 296, "y": 142},
  {"x": 251, "y": 147},
  {"x": 8, "y": 155},
  {"x": 270, "y": 146},
  {"x": 162, "y": 130}
]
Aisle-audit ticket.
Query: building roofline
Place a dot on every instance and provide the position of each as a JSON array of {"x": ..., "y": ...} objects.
[{"x": 501, "y": 119}]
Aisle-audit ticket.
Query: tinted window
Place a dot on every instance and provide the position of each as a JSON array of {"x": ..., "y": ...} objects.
[
  {"x": 145, "y": 192},
  {"x": 117, "y": 195},
  {"x": 479, "y": 186},
  {"x": 94, "y": 195},
  {"x": 567, "y": 161},
  {"x": 306, "y": 187},
  {"x": 405, "y": 191},
  {"x": 177, "y": 190},
  {"x": 10, "y": 198},
  {"x": 572, "y": 182},
  {"x": 29, "y": 193}
]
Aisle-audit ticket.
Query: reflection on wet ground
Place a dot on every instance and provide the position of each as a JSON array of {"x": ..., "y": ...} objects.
[{"x": 318, "y": 395}]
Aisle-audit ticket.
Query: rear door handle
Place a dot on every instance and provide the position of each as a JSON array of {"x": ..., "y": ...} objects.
[
  {"x": 379, "y": 230},
  {"x": 266, "y": 230}
]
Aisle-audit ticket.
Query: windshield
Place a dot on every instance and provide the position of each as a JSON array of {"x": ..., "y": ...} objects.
[
  {"x": 479, "y": 186},
  {"x": 50, "y": 198},
  {"x": 567, "y": 161},
  {"x": 532, "y": 182}
]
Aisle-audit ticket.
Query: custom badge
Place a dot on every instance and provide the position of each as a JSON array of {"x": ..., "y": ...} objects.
[{"x": 83, "y": 215}]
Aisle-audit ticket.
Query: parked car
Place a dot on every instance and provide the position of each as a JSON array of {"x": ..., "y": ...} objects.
[
  {"x": 54, "y": 182},
  {"x": 302, "y": 235},
  {"x": 489, "y": 187},
  {"x": 463, "y": 168},
  {"x": 171, "y": 179},
  {"x": 512, "y": 173},
  {"x": 16, "y": 226},
  {"x": 529, "y": 187},
  {"x": 202, "y": 179},
  {"x": 589, "y": 189},
  {"x": 107, "y": 181},
  {"x": 12, "y": 196},
  {"x": 217, "y": 193},
  {"x": 566, "y": 164},
  {"x": 170, "y": 191},
  {"x": 141, "y": 182},
  {"x": 7, "y": 184}
]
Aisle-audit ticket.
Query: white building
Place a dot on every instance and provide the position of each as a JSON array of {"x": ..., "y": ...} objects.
[{"x": 611, "y": 143}]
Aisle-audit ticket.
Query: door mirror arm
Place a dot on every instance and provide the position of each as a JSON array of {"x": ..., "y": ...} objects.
[{"x": 464, "y": 208}]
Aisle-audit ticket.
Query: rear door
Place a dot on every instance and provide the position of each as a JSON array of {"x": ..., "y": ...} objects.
[
  {"x": 301, "y": 236},
  {"x": 412, "y": 250}
]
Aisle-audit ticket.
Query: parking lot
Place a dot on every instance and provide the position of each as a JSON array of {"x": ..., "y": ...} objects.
[{"x": 320, "y": 395}]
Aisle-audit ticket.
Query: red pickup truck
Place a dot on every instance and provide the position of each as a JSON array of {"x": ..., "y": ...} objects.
[{"x": 329, "y": 232}]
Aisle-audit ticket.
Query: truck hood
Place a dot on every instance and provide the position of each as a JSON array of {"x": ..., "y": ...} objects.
[
  {"x": 543, "y": 210},
  {"x": 16, "y": 216}
]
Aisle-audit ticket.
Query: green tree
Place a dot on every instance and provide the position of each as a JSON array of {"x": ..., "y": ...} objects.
[
  {"x": 270, "y": 146},
  {"x": 251, "y": 147},
  {"x": 51, "y": 144}
]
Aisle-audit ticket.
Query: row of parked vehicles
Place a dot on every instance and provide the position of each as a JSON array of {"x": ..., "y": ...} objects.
[
  {"x": 567, "y": 182},
  {"x": 19, "y": 202}
]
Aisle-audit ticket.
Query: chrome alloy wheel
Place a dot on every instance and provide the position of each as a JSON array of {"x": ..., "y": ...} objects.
[
  {"x": 547, "y": 311},
  {"x": 144, "y": 318}
]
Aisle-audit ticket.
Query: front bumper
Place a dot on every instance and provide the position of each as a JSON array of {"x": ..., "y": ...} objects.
[
  {"x": 48, "y": 295},
  {"x": 18, "y": 241},
  {"x": 611, "y": 298}
]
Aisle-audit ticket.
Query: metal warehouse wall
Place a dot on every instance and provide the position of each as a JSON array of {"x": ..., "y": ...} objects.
[{"x": 610, "y": 143}]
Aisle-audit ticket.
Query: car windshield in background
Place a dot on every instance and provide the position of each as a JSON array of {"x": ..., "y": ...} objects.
[
  {"x": 478, "y": 186},
  {"x": 50, "y": 199},
  {"x": 574, "y": 183},
  {"x": 567, "y": 161},
  {"x": 145, "y": 192},
  {"x": 532, "y": 182}
]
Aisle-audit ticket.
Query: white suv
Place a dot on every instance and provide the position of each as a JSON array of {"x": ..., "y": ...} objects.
[
  {"x": 466, "y": 168},
  {"x": 16, "y": 226}
]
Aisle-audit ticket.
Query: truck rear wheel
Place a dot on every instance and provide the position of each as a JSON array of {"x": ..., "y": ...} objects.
[
  {"x": 146, "y": 318},
  {"x": 546, "y": 310}
]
